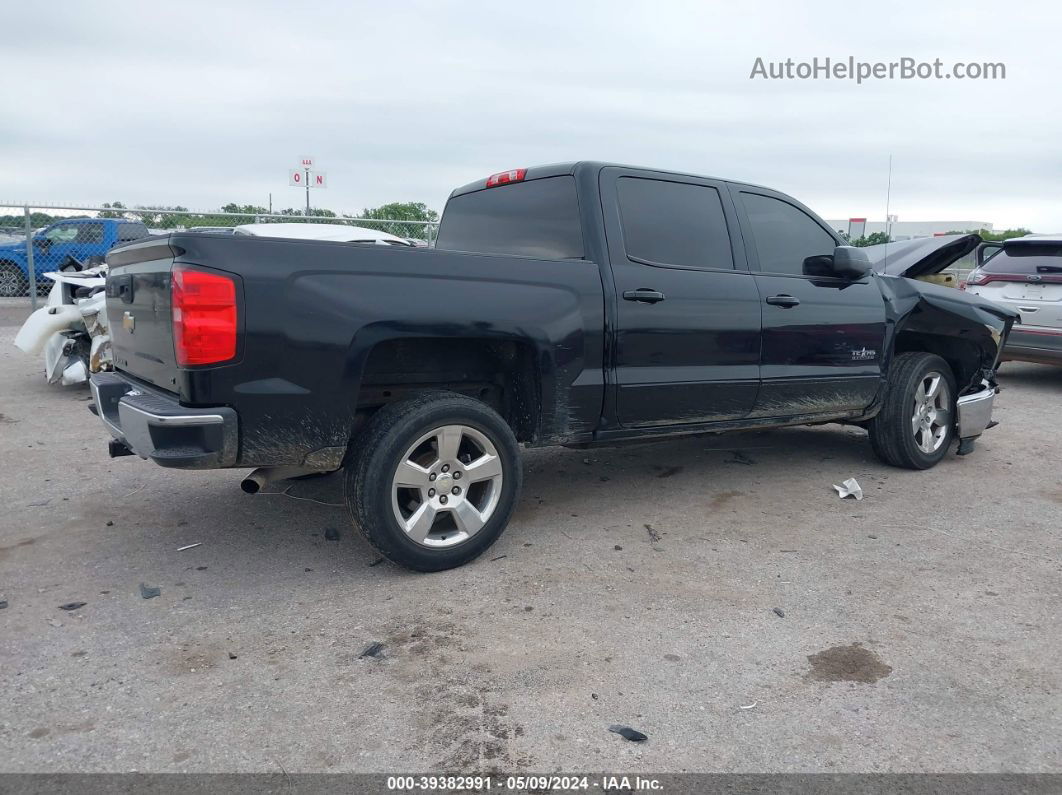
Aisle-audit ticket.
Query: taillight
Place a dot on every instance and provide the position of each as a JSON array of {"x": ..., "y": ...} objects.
[
  {"x": 505, "y": 177},
  {"x": 204, "y": 316}
]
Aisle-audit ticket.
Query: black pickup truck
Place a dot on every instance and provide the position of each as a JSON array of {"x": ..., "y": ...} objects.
[{"x": 571, "y": 304}]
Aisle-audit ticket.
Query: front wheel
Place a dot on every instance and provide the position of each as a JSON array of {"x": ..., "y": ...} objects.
[
  {"x": 13, "y": 282},
  {"x": 433, "y": 480},
  {"x": 917, "y": 419}
]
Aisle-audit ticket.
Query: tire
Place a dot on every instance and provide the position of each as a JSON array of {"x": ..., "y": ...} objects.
[
  {"x": 916, "y": 423},
  {"x": 413, "y": 504},
  {"x": 13, "y": 283}
]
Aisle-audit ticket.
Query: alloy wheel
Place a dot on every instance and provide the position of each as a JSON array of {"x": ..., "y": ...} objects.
[
  {"x": 447, "y": 486},
  {"x": 931, "y": 419}
]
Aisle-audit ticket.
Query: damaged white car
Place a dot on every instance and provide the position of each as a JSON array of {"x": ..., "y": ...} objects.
[{"x": 71, "y": 329}]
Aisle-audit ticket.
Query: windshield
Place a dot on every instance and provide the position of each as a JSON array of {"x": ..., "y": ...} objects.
[{"x": 538, "y": 218}]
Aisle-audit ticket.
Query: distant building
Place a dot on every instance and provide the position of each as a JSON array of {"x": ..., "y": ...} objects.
[{"x": 905, "y": 230}]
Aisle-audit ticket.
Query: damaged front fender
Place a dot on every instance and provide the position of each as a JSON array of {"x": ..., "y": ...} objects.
[{"x": 965, "y": 330}]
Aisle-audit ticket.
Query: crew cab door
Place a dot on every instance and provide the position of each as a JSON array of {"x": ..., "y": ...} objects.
[
  {"x": 687, "y": 336},
  {"x": 79, "y": 240},
  {"x": 92, "y": 240},
  {"x": 822, "y": 335}
]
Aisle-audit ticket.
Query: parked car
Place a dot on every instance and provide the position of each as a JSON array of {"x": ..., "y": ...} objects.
[
  {"x": 1025, "y": 274},
  {"x": 574, "y": 304},
  {"x": 340, "y": 233},
  {"x": 70, "y": 331},
  {"x": 217, "y": 230},
  {"x": 75, "y": 238}
]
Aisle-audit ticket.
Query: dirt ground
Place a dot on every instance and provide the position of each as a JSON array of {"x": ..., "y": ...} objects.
[{"x": 917, "y": 630}]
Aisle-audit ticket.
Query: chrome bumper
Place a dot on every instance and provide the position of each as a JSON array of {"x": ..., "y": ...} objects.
[
  {"x": 975, "y": 412},
  {"x": 154, "y": 425}
]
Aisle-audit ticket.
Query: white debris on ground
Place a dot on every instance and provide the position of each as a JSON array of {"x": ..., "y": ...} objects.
[{"x": 849, "y": 488}]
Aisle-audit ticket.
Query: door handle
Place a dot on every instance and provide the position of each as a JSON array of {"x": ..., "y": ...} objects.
[
  {"x": 784, "y": 301},
  {"x": 644, "y": 295}
]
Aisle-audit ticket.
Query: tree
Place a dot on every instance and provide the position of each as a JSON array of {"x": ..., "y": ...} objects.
[
  {"x": 1006, "y": 234},
  {"x": 159, "y": 217},
  {"x": 402, "y": 211},
  {"x": 114, "y": 206},
  {"x": 244, "y": 209},
  {"x": 873, "y": 239},
  {"x": 15, "y": 224}
]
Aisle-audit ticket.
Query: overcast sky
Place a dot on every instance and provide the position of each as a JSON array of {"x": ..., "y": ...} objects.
[{"x": 202, "y": 104}]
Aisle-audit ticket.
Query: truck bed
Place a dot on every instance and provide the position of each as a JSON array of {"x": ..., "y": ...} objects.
[{"x": 313, "y": 315}]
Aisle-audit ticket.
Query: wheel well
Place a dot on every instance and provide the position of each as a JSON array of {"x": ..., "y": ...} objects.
[
  {"x": 963, "y": 356},
  {"x": 500, "y": 373}
]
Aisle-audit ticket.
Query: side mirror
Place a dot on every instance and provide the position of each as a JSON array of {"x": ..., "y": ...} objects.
[
  {"x": 43, "y": 242},
  {"x": 850, "y": 262}
]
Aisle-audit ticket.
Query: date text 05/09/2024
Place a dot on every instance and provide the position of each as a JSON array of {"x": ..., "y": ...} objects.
[{"x": 486, "y": 783}]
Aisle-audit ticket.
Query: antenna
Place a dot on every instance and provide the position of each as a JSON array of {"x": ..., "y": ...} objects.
[
  {"x": 888, "y": 199},
  {"x": 888, "y": 236}
]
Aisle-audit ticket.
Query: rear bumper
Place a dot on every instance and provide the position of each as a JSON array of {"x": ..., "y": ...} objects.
[
  {"x": 1032, "y": 344},
  {"x": 153, "y": 424}
]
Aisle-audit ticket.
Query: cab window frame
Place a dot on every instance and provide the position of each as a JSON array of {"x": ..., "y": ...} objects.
[
  {"x": 736, "y": 264},
  {"x": 97, "y": 230},
  {"x": 51, "y": 234},
  {"x": 752, "y": 250}
]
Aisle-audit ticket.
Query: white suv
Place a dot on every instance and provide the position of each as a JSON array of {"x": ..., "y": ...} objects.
[{"x": 1025, "y": 273}]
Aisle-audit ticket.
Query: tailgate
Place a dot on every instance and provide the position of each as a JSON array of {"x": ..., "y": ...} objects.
[{"x": 138, "y": 310}]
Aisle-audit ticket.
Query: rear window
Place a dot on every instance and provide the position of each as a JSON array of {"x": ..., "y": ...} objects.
[
  {"x": 538, "y": 218},
  {"x": 1029, "y": 259},
  {"x": 131, "y": 232}
]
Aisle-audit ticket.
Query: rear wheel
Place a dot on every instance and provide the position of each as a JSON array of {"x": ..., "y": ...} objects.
[
  {"x": 12, "y": 281},
  {"x": 434, "y": 480},
  {"x": 917, "y": 419}
]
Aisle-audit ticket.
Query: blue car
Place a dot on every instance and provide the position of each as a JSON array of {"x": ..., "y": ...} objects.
[{"x": 77, "y": 238}]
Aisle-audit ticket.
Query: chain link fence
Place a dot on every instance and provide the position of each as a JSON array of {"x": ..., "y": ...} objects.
[{"x": 35, "y": 240}]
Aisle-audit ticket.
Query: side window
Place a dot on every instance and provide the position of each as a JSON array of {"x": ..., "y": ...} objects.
[
  {"x": 785, "y": 237},
  {"x": 673, "y": 223},
  {"x": 89, "y": 233}
]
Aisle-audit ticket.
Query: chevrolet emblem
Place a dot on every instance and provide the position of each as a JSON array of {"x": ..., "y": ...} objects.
[{"x": 128, "y": 322}]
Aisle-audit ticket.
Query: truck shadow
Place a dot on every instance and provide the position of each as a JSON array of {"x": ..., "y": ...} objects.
[{"x": 300, "y": 531}]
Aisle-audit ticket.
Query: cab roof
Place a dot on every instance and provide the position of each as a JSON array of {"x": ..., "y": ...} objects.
[{"x": 559, "y": 169}]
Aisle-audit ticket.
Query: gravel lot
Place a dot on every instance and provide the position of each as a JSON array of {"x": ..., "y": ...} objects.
[{"x": 635, "y": 585}]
